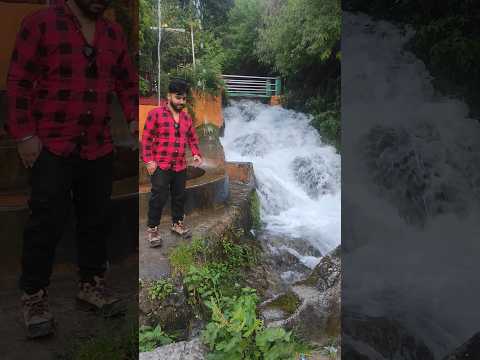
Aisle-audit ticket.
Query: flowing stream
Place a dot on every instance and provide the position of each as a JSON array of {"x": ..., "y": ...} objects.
[
  {"x": 298, "y": 177},
  {"x": 411, "y": 178}
]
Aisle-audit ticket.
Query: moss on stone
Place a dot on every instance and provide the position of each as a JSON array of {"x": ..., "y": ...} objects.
[
  {"x": 208, "y": 130},
  {"x": 288, "y": 303},
  {"x": 255, "y": 210}
]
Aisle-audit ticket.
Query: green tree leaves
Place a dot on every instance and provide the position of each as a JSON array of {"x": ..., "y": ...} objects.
[{"x": 302, "y": 33}]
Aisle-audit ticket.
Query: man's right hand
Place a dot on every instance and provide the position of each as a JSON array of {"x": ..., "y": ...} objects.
[
  {"x": 29, "y": 150},
  {"x": 151, "y": 167}
]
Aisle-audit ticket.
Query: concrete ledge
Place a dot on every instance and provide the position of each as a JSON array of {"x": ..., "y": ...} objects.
[{"x": 240, "y": 171}]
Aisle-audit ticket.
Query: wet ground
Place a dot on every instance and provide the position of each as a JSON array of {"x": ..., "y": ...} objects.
[
  {"x": 72, "y": 325},
  {"x": 154, "y": 263}
]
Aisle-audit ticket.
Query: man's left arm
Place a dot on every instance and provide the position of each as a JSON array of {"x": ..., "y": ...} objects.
[
  {"x": 126, "y": 85},
  {"x": 192, "y": 140}
]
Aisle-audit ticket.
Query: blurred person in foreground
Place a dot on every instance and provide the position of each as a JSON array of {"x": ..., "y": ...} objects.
[{"x": 67, "y": 63}]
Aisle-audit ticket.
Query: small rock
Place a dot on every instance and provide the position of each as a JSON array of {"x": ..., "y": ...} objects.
[{"x": 184, "y": 350}]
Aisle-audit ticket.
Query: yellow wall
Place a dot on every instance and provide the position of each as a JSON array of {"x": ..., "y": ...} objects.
[
  {"x": 12, "y": 16},
  {"x": 208, "y": 109}
]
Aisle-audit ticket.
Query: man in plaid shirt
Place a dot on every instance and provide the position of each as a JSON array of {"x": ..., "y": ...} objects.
[
  {"x": 168, "y": 130},
  {"x": 67, "y": 63}
]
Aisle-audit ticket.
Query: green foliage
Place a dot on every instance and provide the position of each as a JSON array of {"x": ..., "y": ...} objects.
[
  {"x": 150, "y": 338},
  {"x": 205, "y": 282},
  {"x": 235, "y": 332},
  {"x": 176, "y": 50},
  {"x": 200, "y": 252},
  {"x": 329, "y": 126},
  {"x": 160, "y": 289},
  {"x": 444, "y": 44},
  {"x": 301, "y": 33},
  {"x": 240, "y": 36},
  {"x": 186, "y": 255}
]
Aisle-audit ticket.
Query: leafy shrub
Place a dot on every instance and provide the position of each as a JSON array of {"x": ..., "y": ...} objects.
[
  {"x": 160, "y": 289},
  {"x": 235, "y": 332},
  {"x": 150, "y": 338}
]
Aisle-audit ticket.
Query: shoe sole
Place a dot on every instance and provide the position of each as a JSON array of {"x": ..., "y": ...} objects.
[
  {"x": 113, "y": 310},
  {"x": 187, "y": 234},
  {"x": 155, "y": 244},
  {"x": 41, "y": 330}
]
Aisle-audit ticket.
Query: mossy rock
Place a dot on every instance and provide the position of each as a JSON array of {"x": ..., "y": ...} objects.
[{"x": 288, "y": 303}]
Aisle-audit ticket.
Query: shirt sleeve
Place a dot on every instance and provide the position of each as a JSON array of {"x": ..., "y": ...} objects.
[
  {"x": 148, "y": 135},
  {"x": 192, "y": 139},
  {"x": 126, "y": 82},
  {"x": 23, "y": 71}
]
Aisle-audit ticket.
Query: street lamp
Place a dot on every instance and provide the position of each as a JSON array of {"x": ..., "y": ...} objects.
[{"x": 164, "y": 27}]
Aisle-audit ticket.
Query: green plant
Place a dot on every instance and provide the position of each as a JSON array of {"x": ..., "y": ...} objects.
[
  {"x": 150, "y": 338},
  {"x": 235, "y": 332},
  {"x": 330, "y": 351},
  {"x": 186, "y": 255},
  {"x": 160, "y": 289},
  {"x": 211, "y": 280}
]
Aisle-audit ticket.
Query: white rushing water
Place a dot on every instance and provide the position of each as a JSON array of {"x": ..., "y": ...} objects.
[
  {"x": 419, "y": 153},
  {"x": 298, "y": 176}
]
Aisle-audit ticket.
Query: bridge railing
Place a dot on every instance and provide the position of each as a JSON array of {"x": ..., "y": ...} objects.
[{"x": 252, "y": 86}]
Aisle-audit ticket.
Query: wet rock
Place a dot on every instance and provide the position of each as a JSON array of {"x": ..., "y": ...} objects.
[
  {"x": 366, "y": 337},
  {"x": 184, "y": 350},
  {"x": 173, "y": 313},
  {"x": 315, "y": 313},
  {"x": 469, "y": 350}
]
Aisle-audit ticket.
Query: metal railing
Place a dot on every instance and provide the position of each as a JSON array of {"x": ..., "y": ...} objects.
[{"x": 252, "y": 86}]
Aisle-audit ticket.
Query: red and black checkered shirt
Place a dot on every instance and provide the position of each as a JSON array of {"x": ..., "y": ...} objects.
[
  {"x": 60, "y": 89},
  {"x": 163, "y": 143}
]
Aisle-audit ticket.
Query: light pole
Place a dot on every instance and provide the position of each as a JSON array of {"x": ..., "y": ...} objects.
[{"x": 181, "y": 31}]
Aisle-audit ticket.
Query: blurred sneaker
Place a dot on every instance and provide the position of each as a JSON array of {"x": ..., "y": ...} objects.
[
  {"x": 97, "y": 297},
  {"x": 153, "y": 237},
  {"x": 38, "y": 319},
  {"x": 180, "y": 228}
]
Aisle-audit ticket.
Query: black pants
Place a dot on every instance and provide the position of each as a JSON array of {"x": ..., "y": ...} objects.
[
  {"x": 165, "y": 182},
  {"x": 55, "y": 182}
]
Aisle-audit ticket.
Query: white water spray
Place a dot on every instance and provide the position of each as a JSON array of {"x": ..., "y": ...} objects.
[
  {"x": 298, "y": 175},
  {"x": 418, "y": 152}
]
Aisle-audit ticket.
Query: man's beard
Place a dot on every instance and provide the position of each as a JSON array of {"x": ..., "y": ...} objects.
[
  {"x": 177, "y": 108},
  {"x": 85, "y": 8}
]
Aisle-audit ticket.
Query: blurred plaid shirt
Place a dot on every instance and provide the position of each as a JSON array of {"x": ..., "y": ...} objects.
[
  {"x": 60, "y": 88},
  {"x": 165, "y": 144}
]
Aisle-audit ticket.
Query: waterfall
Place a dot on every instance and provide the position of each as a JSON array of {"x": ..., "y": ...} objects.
[
  {"x": 298, "y": 175},
  {"x": 418, "y": 152}
]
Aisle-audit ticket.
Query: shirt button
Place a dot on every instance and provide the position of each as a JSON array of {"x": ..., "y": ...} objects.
[
  {"x": 83, "y": 133},
  {"x": 89, "y": 112}
]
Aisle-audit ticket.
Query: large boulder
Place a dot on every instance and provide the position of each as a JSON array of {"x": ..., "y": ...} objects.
[
  {"x": 368, "y": 337},
  {"x": 312, "y": 306}
]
